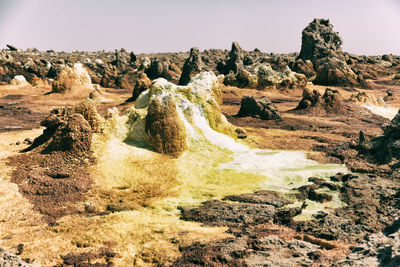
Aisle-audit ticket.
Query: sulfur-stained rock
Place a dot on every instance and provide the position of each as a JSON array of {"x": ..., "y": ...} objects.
[
  {"x": 365, "y": 98},
  {"x": 166, "y": 131},
  {"x": 166, "y": 115},
  {"x": 268, "y": 78},
  {"x": 262, "y": 76},
  {"x": 246, "y": 79}
]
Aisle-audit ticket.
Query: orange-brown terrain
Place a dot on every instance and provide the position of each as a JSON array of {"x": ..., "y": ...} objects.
[{"x": 86, "y": 184}]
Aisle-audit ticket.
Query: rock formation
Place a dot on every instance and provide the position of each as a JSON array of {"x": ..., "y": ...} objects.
[
  {"x": 384, "y": 148},
  {"x": 262, "y": 76},
  {"x": 166, "y": 131},
  {"x": 164, "y": 116},
  {"x": 319, "y": 40},
  {"x": 66, "y": 131},
  {"x": 322, "y": 46},
  {"x": 330, "y": 102},
  {"x": 70, "y": 129},
  {"x": 334, "y": 71},
  {"x": 158, "y": 69},
  {"x": 72, "y": 80},
  {"x": 379, "y": 249},
  {"x": 259, "y": 107},
  {"x": 88, "y": 110},
  {"x": 235, "y": 60},
  {"x": 365, "y": 98},
  {"x": 9, "y": 259},
  {"x": 193, "y": 65},
  {"x": 304, "y": 67},
  {"x": 142, "y": 84}
]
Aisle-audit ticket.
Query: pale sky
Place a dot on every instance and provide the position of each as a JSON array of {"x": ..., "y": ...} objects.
[{"x": 368, "y": 27}]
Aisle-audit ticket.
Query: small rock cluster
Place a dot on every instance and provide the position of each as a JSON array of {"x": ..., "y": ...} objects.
[
  {"x": 8, "y": 259},
  {"x": 331, "y": 101}
]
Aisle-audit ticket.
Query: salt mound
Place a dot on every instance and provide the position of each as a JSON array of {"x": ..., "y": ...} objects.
[
  {"x": 72, "y": 80},
  {"x": 19, "y": 80}
]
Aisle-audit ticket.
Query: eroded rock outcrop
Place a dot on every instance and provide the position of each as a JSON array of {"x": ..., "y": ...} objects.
[
  {"x": 70, "y": 129},
  {"x": 334, "y": 71},
  {"x": 9, "y": 259},
  {"x": 322, "y": 46},
  {"x": 88, "y": 110},
  {"x": 319, "y": 40},
  {"x": 380, "y": 249},
  {"x": 384, "y": 148},
  {"x": 331, "y": 101},
  {"x": 193, "y": 65},
  {"x": 305, "y": 67},
  {"x": 66, "y": 131},
  {"x": 234, "y": 61},
  {"x": 262, "y": 76},
  {"x": 258, "y": 107}
]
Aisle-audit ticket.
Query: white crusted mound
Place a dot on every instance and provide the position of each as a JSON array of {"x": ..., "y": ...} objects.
[
  {"x": 72, "y": 80},
  {"x": 19, "y": 80}
]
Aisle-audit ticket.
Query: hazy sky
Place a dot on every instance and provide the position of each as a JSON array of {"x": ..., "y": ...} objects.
[{"x": 366, "y": 26}]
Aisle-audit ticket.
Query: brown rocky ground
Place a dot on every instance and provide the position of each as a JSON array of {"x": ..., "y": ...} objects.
[{"x": 261, "y": 231}]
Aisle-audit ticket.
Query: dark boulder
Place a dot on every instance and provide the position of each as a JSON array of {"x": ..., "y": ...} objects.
[
  {"x": 193, "y": 65},
  {"x": 259, "y": 107},
  {"x": 12, "y": 48}
]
